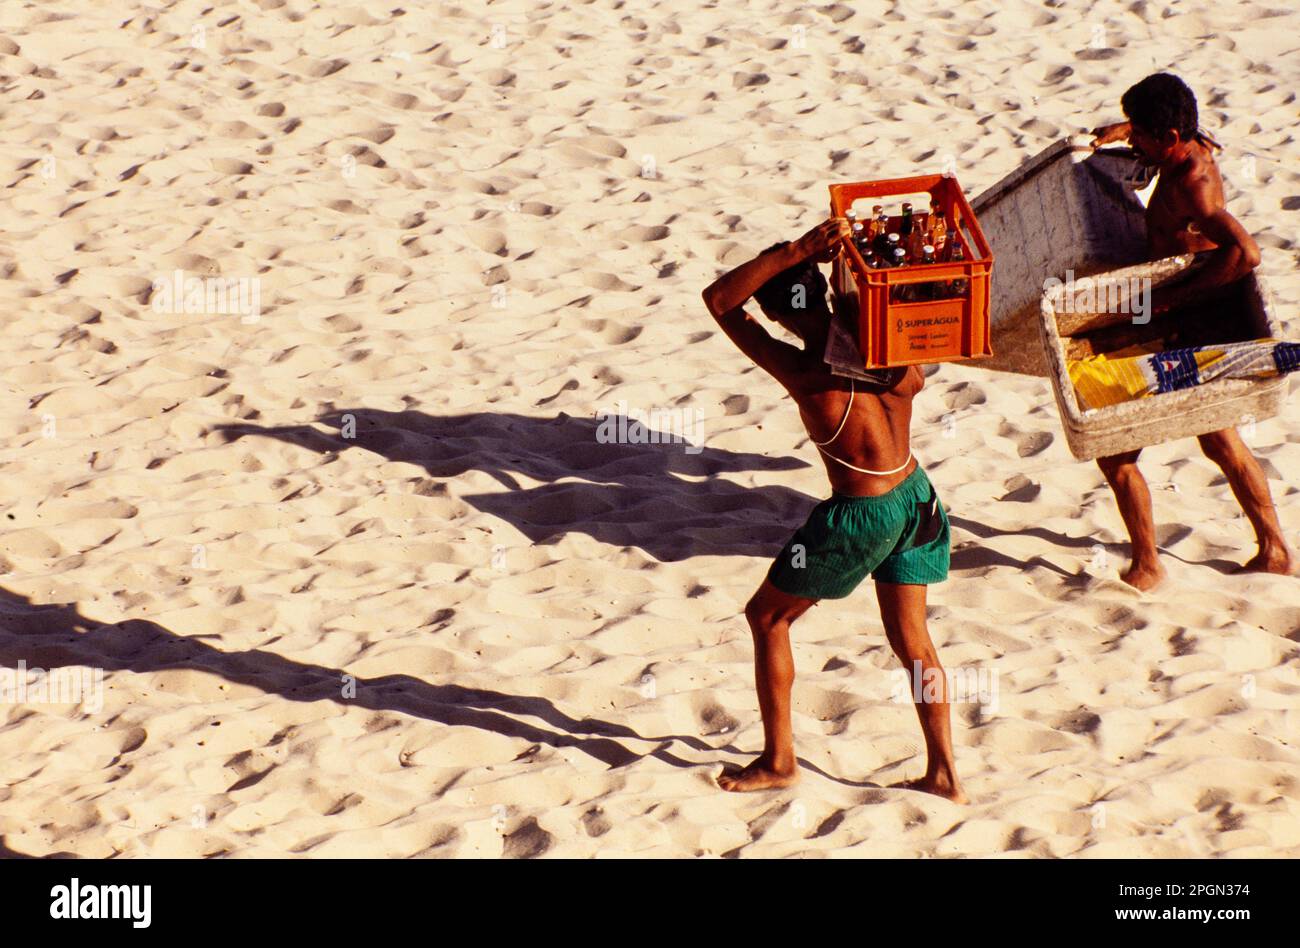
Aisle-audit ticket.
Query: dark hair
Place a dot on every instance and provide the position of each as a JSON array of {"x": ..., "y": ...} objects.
[
  {"x": 777, "y": 294},
  {"x": 1161, "y": 102}
]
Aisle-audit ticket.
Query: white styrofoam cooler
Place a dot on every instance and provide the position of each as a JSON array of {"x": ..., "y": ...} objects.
[
  {"x": 1067, "y": 208},
  {"x": 1212, "y": 406}
]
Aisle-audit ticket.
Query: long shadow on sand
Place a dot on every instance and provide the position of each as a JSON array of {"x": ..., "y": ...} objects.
[
  {"x": 56, "y": 636},
  {"x": 982, "y": 557},
  {"x": 658, "y": 497},
  {"x": 661, "y": 497}
]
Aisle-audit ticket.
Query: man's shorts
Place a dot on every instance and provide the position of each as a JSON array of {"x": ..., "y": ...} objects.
[{"x": 898, "y": 537}]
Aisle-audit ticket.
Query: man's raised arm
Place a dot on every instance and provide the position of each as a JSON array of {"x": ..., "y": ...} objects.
[
  {"x": 734, "y": 287},
  {"x": 730, "y": 290}
]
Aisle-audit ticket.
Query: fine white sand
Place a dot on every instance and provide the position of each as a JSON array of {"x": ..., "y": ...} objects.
[{"x": 361, "y": 577}]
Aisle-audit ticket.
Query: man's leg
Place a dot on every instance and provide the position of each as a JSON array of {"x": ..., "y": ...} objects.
[
  {"x": 770, "y": 613},
  {"x": 1250, "y": 486},
  {"x": 1134, "y": 499},
  {"x": 902, "y": 609}
]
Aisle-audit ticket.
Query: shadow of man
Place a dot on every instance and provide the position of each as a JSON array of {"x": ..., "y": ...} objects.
[
  {"x": 49, "y": 637},
  {"x": 657, "y": 496}
]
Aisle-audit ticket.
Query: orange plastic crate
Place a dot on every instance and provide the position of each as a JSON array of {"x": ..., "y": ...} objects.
[{"x": 892, "y": 332}]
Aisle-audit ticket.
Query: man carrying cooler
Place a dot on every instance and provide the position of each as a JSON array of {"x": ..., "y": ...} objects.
[{"x": 1186, "y": 215}]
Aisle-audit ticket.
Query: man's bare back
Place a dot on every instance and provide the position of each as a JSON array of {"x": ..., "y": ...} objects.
[{"x": 875, "y": 435}]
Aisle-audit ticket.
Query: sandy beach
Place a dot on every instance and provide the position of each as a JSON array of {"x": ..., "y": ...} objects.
[{"x": 347, "y": 557}]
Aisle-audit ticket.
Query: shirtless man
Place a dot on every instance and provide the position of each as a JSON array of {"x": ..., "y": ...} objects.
[
  {"x": 1186, "y": 215},
  {"x": 883, "y": 517}
]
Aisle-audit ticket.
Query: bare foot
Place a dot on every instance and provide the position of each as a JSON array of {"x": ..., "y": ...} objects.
[
  {"x": 1272, "y": 559},
  {"x": 759, "y": 775},
  {"x": 940, "y": 785},
  {"x": 1144, "y": 577}
]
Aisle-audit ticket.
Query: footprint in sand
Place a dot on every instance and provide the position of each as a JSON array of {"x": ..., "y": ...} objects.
[
  {"x": 537, "y": 209},
  {"x": 193, "y": 264},
  {"x": 231, "y": 166},
  {"x": 527, "y": 842},
  {"x": 639, "y": 233},
  {"x": 317, "y": 68},
  {"x": 736, "y": 404},
  {"x": 499, "y": 77},
  {"x": 1028, "y": 443},
  {"x": 132, "y": 740},
  {"x": 606, "y": 281},
  {"x": 963, "y": 395},
  {"x": 595, "y": 823},
  {"x": 714, "y": 720},
  {"x": 1020, "y": 489},
  {"x": 487, "y": 239},
  {"x": 616, "y": 335},
  {"x": 603, "y": 145}
]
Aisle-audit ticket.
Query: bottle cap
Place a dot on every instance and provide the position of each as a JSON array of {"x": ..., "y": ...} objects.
[
  {"x": 857, "y": 226},
  {"x": 899, "y": 253},
  {"x": 894, "y": 239},
  {"x": 928, "y": 248},
  {"x": 906, "y": 206}
]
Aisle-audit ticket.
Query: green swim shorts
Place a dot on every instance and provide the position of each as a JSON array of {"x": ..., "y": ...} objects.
[{"x": 898, "y": 537}]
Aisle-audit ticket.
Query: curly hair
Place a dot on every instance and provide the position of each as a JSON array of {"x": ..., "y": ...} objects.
[
  {"x": 777, "y": 295},
  {"x": 1161, "y": 102}
]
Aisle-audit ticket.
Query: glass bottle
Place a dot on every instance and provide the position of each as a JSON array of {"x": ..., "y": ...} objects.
[
  {"x": 958, "y": 286},
  {"x": 903, "y": 292},
  {"x": 937, "y": 235}
]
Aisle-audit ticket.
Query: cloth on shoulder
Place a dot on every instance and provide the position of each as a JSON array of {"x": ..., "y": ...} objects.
[{"x": 844, "y": 358}]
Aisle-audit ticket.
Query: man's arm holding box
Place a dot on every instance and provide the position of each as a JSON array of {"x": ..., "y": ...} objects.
[
  {"x": 725, "y": 298},
  {"x": 732, "y": 289},
  {"x": 1235, "y": 255}
]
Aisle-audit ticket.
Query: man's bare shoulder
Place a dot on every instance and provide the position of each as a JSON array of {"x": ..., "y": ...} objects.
[{"x": 1200, "y": 179}]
